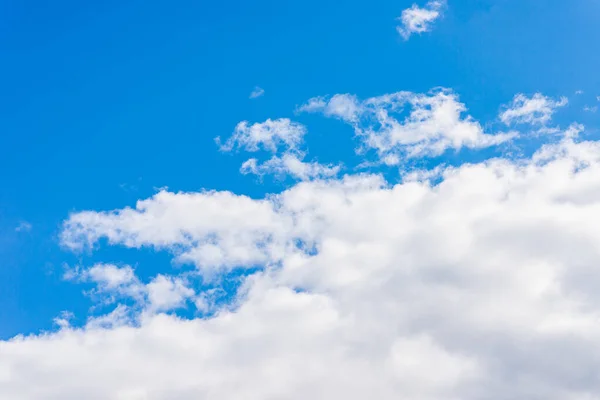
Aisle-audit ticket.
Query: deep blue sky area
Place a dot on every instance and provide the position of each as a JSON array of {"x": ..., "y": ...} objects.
[{"x": 103, "y": 102}]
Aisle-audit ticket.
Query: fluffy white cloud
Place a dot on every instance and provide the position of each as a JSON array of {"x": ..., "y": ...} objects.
[
  {"x": 281, "y": 136},
  {"x": 110, "y": 276},
  {"x": 166, "y": 293},
  {"x": 257, "y": 92},
  {"x": 482, "y": 286},
  {"x": 224, "y": 231},
  {"x": 408, "y": 125},
  {"x": 269, "y": 135},
  {"x": 290, "y": 164},
  {"x": 535, "y": 110},
  {"x": 113, "y": 283},
  {"x": 420, "y": 19},
  {"x": 344, "y": 106}
]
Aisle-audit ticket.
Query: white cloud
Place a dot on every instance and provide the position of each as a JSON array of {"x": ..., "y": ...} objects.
[
  {"x": 281, "y": 136},
  {"x": 257, "y": 92},
  {"x": 166, "y": 293},
  {"x": 432, "y": 124},
  {"x": 290, "y": 164},
  {"x": 480, "y": 285},
  {"x": 23, "y": 226},
  {"x": 344, "y": 106},
  {"x": 420, "y": 19},
  {"x": 592, "y": 109},
  {"x": 269, "y": 135},
  {"x": 578, "y": 92},
  {"x": 225, "y": 230},
  {"x": 536, "y": 110},
  {"x": 113, "y": 284},
  {"x": 483, "y": 286},
  {"x": 109, "y": 276}
]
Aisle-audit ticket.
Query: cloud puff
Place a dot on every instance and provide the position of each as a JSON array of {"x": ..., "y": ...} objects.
[
  {"x": 535, "y": 110},
  {"x": 418, "y": 20},
  {"x": 290, "y": 164},
  {"x": 482, "y": 286},
  {"x": 408, "y": 125},
  {"x": 257, "y": 92},
  {"x": 281, "y": 137},
  {"x": 269, "y": 135},
  {"x": 115, "y": 284}
]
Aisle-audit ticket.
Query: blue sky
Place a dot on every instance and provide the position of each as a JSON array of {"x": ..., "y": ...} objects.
[{"x": 104, "y": 103}]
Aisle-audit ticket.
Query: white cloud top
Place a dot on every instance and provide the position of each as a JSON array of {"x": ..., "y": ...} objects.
[
  {"x": 408, "y": 125},
  {"x": 416, "y": 20},
  {"x": 281, "y": 137},
  {"x": 535, "y": 110},
  {"x": 269, "y": 135}
]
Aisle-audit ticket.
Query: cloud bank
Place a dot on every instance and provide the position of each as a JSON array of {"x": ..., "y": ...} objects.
[{"x": 480, "y": 285}]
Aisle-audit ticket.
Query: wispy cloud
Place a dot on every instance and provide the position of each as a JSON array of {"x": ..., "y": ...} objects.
[
  {"x": 535, "y": 110},
  {"x": 420, "y": 19},
  {"x": 257, "y": 92},
  {"x": 23, "y": 226}
]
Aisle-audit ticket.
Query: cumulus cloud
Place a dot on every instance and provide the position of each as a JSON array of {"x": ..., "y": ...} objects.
[
  {"x": 344, "y": 106},
  {"x": 481, "y": 286},
  {"x": 269, "y": 135},
  {"x": 291, "y": 164},
  {"x": 281, "y": 137},
  {"x": 406, "y": 125},
  {"x": 257, "y": 92},
  {"x": 225, "y": 230},
  {"x": 109, "y": 276},
  {"x": 166, "y": 293},
  {"x": 475, "y": 281},
  {"x": 416, "y": 20},
  {"x": 535, "y": 110},
  {"x": 114, "y": 284}
]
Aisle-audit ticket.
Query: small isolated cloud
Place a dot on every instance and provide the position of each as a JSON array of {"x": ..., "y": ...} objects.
[
  {"x": 23, "y": 227},
  {"x": 268, "y": 135},
  {"x": 418, "y": 20},
  {"x": 535, "y": 110},
  {"x": 592, "y": 109},
  {"x": 257, "y": 92},
  {"x": 579, "y": 92},
  {"x": 282, "y": 138}
]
